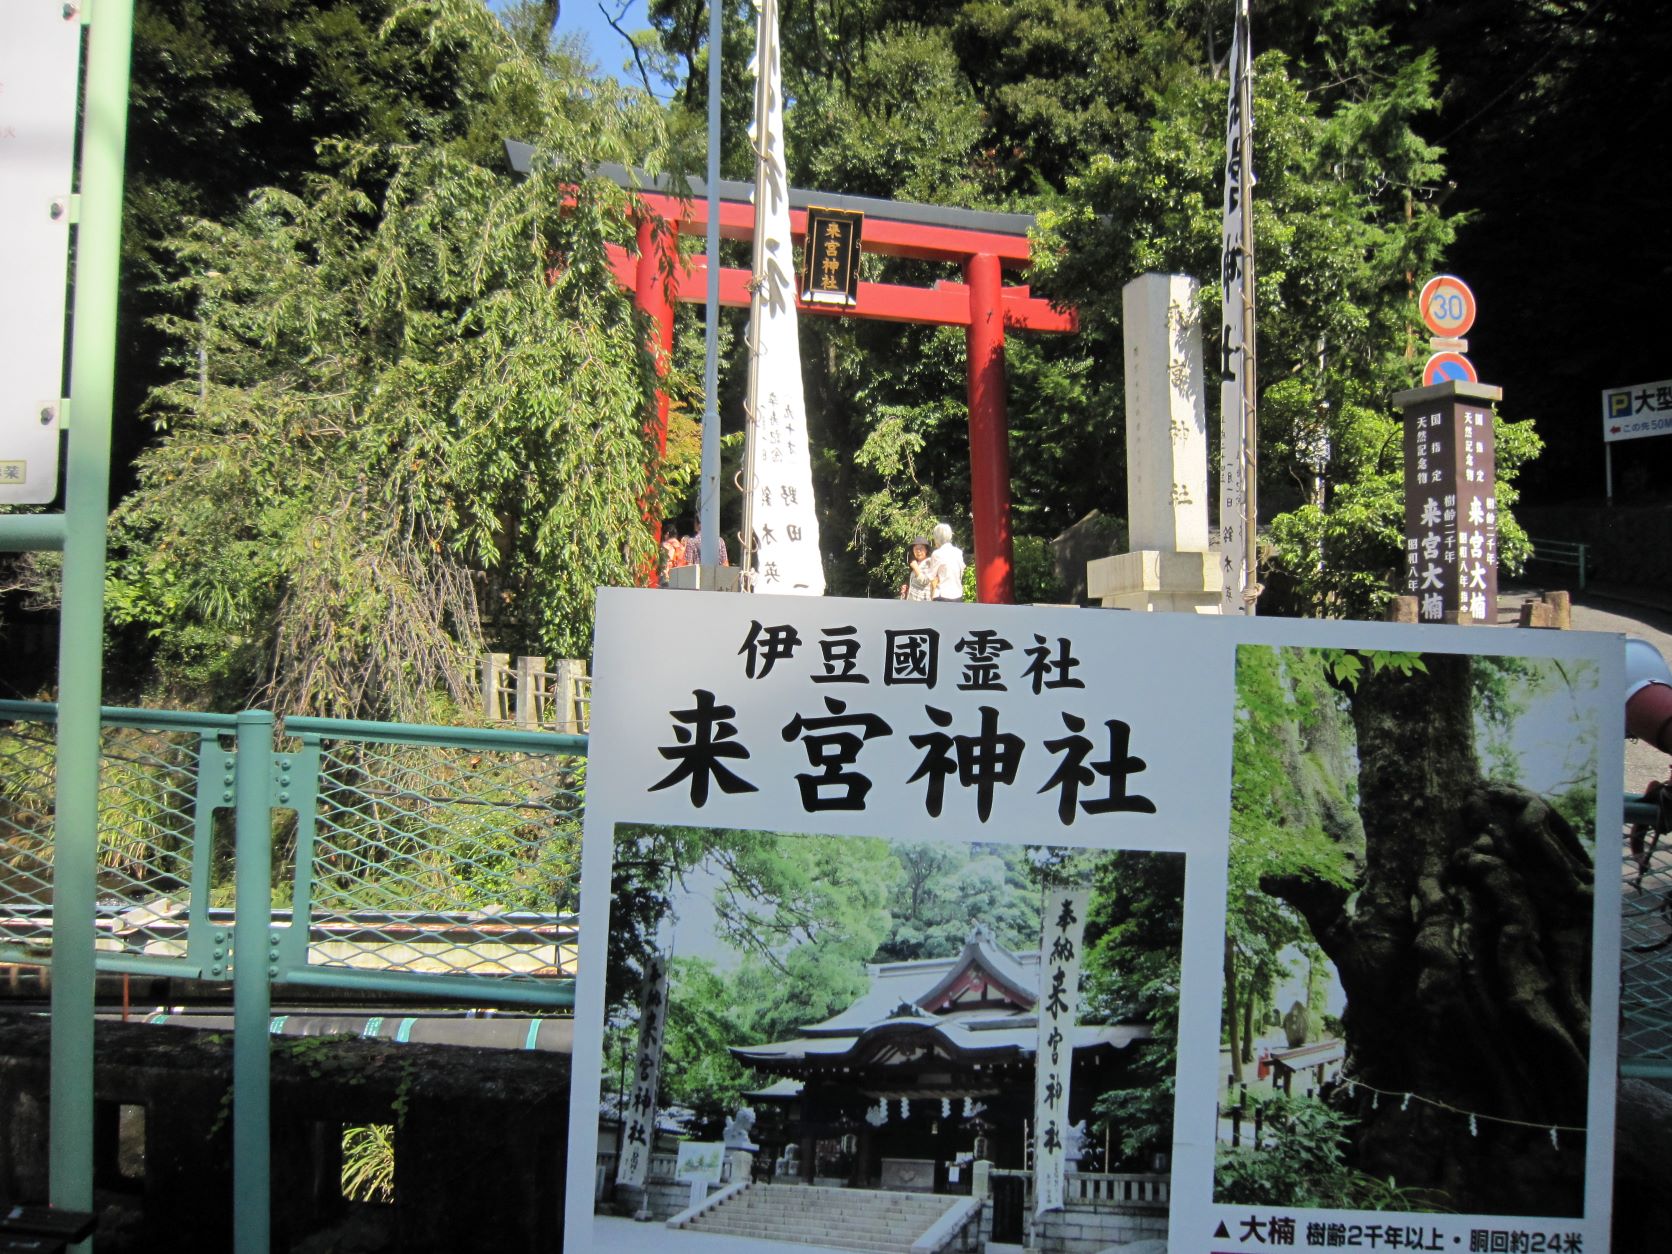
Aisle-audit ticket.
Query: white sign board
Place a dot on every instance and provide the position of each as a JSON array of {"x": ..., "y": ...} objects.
[
  {"x": 1636, "y": 412},
  {"x": 771, "y": 785},
  {"x": 700, "y": 1162},
  {"x": 40, "y": 52}
]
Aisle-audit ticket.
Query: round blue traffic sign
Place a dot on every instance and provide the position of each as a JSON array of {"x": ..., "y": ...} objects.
[{"x": 1449, "y": 368}]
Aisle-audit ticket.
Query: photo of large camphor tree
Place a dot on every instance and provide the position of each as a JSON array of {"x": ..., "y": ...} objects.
[{"x": 1424, "y": 824}]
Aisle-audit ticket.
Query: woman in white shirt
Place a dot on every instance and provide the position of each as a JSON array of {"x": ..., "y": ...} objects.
[{"x": 947, "y": 561}]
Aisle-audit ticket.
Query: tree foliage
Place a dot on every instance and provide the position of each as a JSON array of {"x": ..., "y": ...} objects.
[
  {"x": 1453, "y": 904},
  {"x": 1107, "y": 119},
  {"x": 404, "y": 425}
]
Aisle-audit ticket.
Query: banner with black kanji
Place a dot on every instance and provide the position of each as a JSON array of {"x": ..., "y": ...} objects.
[{"x": 1062, "y": 933}]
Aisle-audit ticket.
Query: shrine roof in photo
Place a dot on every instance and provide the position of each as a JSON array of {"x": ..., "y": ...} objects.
[{"x": 975, "y": 1007}]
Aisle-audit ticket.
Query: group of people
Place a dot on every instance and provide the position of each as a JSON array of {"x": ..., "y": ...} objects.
[
  {"x": 934, "y": 574},
  {"x": 685, "y": 551}
]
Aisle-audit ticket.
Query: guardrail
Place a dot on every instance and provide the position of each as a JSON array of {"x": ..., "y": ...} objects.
[
  {"x": 416, "y": 860},
  {"x": 1562, "y": 553},
  {"x": 356, "y": 828}
]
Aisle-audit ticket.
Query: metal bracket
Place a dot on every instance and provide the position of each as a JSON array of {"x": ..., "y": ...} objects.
[{"x": 296, "y": 787}]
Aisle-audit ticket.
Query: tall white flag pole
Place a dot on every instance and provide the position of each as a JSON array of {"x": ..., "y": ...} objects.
[
  {"x": 1238, "y": 447},
  {"x": 780, "y": 528}
]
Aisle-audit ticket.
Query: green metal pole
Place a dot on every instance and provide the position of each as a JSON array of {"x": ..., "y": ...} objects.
[
  {"x": 24, "y": 533},
  {"x": 251, "y": 993},
  {"x": 81, "y": 630}
]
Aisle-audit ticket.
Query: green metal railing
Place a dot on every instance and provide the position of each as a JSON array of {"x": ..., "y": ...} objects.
[
  {"x": 415, "y": 860},
  {"x": 474, "y": 834},
  {"x": 155, "y": 848},
  {"x": 1563, "y": 553},
  {"x": 421, "y": 861}
]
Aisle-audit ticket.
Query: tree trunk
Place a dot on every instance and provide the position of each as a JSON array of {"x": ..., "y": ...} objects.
[{"x": 1465, "y": 957}]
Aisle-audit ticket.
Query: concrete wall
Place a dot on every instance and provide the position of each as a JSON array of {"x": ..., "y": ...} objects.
[{"x": 480, "y": 1150}]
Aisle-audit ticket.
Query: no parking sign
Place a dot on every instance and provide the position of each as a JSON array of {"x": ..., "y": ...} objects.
[{"x": 1448, "y": 368}]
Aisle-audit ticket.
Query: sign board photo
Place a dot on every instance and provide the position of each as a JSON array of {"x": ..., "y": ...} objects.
[{"x": 1090, "y": 914}]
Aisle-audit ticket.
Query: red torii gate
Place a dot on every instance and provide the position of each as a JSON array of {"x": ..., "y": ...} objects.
[{"x": 982, "y": 243}]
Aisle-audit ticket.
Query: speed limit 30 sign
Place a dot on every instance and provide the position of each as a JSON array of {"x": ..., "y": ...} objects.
[{"x": 1448, "y": 306}]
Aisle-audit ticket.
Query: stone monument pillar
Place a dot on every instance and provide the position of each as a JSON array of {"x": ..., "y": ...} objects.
[
  {"x": 1169, "y": 567},
  {"x": 1451, "y": 501}
]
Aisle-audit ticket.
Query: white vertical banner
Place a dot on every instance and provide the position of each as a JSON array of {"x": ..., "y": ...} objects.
[
  {"x": 40, "y": 59},
  {"x": 1233, "y": 338},
  {"x": 779, "y": 476},
  {"x": 638, "y": 1121},
  {"x": 1062, "y": 933}
]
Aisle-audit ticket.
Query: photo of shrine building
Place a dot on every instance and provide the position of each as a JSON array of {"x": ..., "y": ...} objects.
[{"x": 931, "y": 1069}]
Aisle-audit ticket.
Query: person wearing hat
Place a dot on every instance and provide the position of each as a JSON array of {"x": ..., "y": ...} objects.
[{"x": 920, "y": 579}]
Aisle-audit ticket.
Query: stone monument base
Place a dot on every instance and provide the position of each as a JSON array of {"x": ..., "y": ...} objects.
[
  {"x": 1156, "y": 580},
  {"x": 705, "y": 578}
]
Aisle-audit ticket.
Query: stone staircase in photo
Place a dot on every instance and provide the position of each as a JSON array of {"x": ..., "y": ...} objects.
[{"x": 873, "y": 1220}]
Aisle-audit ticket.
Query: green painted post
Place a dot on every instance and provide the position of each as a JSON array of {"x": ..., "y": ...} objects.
[
  {"x": 81, "y": 633},
  {"x": 25, "y": 533},
  {"x": 251, "y": 993}
]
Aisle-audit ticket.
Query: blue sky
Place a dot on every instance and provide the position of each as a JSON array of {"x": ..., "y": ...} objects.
[{"x": 586, "y": 19}]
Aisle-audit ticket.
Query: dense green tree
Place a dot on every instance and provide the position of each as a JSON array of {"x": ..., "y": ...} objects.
[
  {"x": 1344, "y": 213},
  {"x": 233, "y": 95},
  {"x": 404, "y": 423},
  {"x": 945, "y": 888},
  {"x": 800, "y": 914},
  {"x": 1134, "y": 934}
]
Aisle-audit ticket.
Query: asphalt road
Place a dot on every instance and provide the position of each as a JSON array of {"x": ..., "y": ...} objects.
[{"x": 1634, "y": 611}]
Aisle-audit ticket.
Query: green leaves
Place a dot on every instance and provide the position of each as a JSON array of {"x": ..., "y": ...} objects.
[
  {"x": 404, "y": 428},
  {"x": 1346, "y": 667}
]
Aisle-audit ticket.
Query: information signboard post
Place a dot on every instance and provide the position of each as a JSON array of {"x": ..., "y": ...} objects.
[
  {"x": 37, "y": 103},
  {"x": 1633, "y": 413},
  {"x": 40, "y": 60},
  {"x": 1451, "y": 505}
]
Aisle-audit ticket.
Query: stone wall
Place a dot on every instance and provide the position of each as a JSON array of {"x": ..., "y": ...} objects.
[
  {"x": 667, "y": 1198},
  {"x": 1087, "y": 1230},
  {"x": 480, "y": 1138}
]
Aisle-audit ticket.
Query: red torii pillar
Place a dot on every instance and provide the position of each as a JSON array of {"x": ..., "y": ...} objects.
[
  {"x": 989, "y": 434},
  {"x": 658, "y": 253}
]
